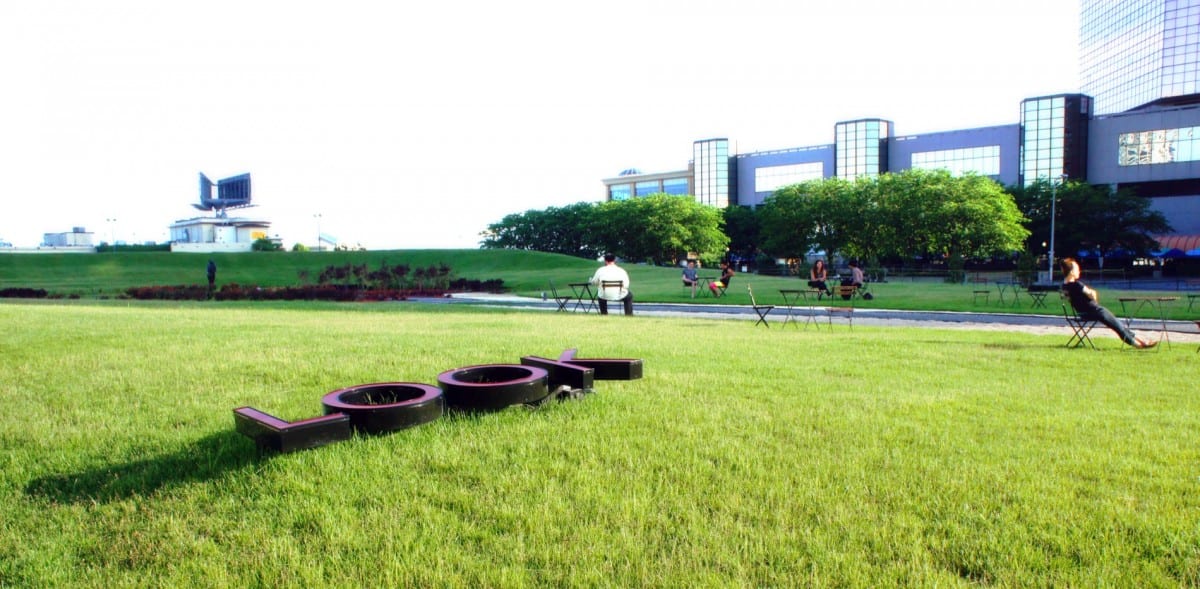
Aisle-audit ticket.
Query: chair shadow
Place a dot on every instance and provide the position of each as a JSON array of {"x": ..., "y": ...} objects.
[{"x": 205, "y": 459}]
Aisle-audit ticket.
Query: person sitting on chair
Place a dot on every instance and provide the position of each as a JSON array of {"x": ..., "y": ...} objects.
[
  {"x": 723, "y": 281},
  {"x": 856, "y": 279},
  {"x": 816, "y": 278},
  {"x": 689, "y": 276},
  {"x": 1086, "y": 302},
  {"x": 610, "y": 271}
]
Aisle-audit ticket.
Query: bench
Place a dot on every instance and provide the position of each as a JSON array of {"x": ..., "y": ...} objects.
[{"x": 271, "y": 433}]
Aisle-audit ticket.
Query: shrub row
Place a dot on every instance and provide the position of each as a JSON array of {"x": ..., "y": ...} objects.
[
  {"x": 321, "y": 292},
  {"x": 23, "y": 293}
]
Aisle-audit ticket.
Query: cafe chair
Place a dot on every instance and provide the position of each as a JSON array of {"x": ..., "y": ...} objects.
[
  {"x": 761, "y": 310},
  {"x": 562, "y": 300},
  {"x": 1080, "y": 327},
  {"x": 722, "y": 286}
]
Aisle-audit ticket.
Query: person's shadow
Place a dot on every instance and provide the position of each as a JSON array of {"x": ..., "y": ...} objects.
[{"x": 205, "y": 459}]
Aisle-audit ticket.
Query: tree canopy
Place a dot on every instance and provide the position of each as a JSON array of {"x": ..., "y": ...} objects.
[
  {"x": 915, "y": 212},
  {"x": 1089, "y": 218},
  {"x": 657, "y": 228}
]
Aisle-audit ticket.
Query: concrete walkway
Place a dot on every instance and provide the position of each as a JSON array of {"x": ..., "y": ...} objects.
[{"x": 1178, "y": 331}]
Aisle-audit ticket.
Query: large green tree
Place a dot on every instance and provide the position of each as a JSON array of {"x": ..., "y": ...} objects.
[
  {"x": 914, "y": 212},
  {"x": 657, "y": 228},
  {"x": 661, "y": 228},
  {"x": 743, "y": 226},
  {"x": 1089, "y": 218},
  {"x": 570, "y": 230}
]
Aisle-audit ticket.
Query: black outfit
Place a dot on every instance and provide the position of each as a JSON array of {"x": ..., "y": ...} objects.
[
  {"x": 1092, "y": 311},
  {"x": 628, "y": 300}
]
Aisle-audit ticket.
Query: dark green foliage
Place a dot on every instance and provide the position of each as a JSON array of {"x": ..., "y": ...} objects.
[
  {"x": 22, "y": 293},
  {"x": 658, "y": 228},
  {"x": 1089, "y": 218}
]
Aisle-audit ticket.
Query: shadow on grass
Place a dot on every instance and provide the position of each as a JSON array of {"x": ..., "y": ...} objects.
[{"x": 205, "y": 459}]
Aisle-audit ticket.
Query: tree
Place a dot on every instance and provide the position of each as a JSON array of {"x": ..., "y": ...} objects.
[
  {"x": 801, "y": 217},
  {"x": 264, "y": 244},
  {"x": 914, "y": 212},
  {"x": 658, "y": 227},
  {"x": 661, "y": 228},
  {"x": 743, "y": 226},
  {"x": 1089, "y": 218},
  {"x": 569, "y": 230}
]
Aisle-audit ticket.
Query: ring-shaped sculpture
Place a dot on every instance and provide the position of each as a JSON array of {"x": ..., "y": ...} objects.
[
  {"x": 491, "y": 387},
  {"x": 386, "y": 406}
]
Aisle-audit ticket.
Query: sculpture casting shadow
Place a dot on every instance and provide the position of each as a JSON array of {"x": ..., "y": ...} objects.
[{"x": 204, "y": 459}]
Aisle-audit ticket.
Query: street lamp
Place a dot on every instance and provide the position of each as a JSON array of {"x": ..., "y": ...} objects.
[
  {"x": 317, "y": 216},
  {"x": 112, "y": 233},
  {"x": 1053, "y": 199}
]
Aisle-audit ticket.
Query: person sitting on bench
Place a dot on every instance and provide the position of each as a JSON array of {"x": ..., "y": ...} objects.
[{"x": 1087, "y": 303}]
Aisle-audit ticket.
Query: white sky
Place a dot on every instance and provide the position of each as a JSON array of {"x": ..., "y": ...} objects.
[{"x": 410, "y": 125}]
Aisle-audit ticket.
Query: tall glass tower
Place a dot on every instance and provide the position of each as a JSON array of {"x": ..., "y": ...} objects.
[
  {"x": 712, "y": 171},
  {"x": 1136, "y": 52},
  {"x": 862, "y": 147}
]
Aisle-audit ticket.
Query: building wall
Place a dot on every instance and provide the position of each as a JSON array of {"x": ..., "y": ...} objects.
[
  {"x": 961, "y": 151},
  {"x": 1105, "y": 165},
  {"x": 760, "y": 174}
]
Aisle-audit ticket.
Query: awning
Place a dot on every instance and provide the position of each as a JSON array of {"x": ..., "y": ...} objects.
[{"x": 1185, "y": 243}]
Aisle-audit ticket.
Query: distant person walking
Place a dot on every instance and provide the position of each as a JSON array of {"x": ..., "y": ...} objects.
[{"x": 212, "y": 276}]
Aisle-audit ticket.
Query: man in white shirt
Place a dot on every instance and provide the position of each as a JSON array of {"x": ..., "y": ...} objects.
[{"x": 611, "y": 271}]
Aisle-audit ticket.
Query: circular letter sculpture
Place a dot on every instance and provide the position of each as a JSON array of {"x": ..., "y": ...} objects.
[
  {"x": 490, "y": 387},
  {"x": 386, "y": 406}
]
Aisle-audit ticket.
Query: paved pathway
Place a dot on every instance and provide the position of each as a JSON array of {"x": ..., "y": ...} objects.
[{"x": 1179, "y": 331}]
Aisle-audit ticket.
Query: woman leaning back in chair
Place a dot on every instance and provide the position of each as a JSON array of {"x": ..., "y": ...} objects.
[{"x": 1087, "y": 303}]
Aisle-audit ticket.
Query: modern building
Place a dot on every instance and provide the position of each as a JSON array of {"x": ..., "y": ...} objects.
[
  {"x": 220, "y": 233},
  {"x": 1136, "y": 125},
  {"x": 76, "y": 237}
]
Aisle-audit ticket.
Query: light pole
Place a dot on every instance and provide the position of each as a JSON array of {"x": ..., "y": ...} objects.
[
  {"x": 112, "y": 233},
  {"x": 1053, "y": 200},
  {"x": 317, "y": 216}
]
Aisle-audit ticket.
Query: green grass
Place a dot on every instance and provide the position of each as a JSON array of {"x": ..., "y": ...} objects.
[
  {"x": 745, "y": 457},
  {"x": 524, "y": 273}
]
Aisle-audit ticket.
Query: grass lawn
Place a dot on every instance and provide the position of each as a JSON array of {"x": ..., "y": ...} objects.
[
  {"x": 526, "y": 273},
  {"x": 745, "y": 457}
]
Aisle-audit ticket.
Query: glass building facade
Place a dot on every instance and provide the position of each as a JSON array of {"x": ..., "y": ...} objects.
[
  {"x": 861, "y": 147},
  {"x": 1135, "y": 52},
  {"x": 983, "y": 160},
  {"x": 710, "y": 158},
  {"x": 1054, "y": 137},
  {"x": 1135, "y": 124}
]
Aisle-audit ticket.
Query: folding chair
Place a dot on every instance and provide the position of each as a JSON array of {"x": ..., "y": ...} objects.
[
  {"x": 562, "y": 300},
  {"x": 721, "y": 289},
  {"x": 762, "y": 310},
  {"x": 845, "y": 291},
  {"x": 1079, "y": 326},
  {"x": 607, "y": 284}
]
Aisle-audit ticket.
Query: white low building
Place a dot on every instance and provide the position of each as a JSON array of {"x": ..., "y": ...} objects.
[{"x": 217, "y": 234}]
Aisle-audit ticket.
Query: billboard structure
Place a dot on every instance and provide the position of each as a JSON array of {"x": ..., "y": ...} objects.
[{"x": 232, "y": 193}]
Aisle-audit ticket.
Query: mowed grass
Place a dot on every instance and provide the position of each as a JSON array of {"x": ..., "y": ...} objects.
[
  {"x": 526, "y": 273},
  {"x": 745, "y": 457}
]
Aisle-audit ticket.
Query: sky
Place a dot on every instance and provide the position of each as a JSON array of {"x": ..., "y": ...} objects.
[{"x": 415, "y": 125}]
